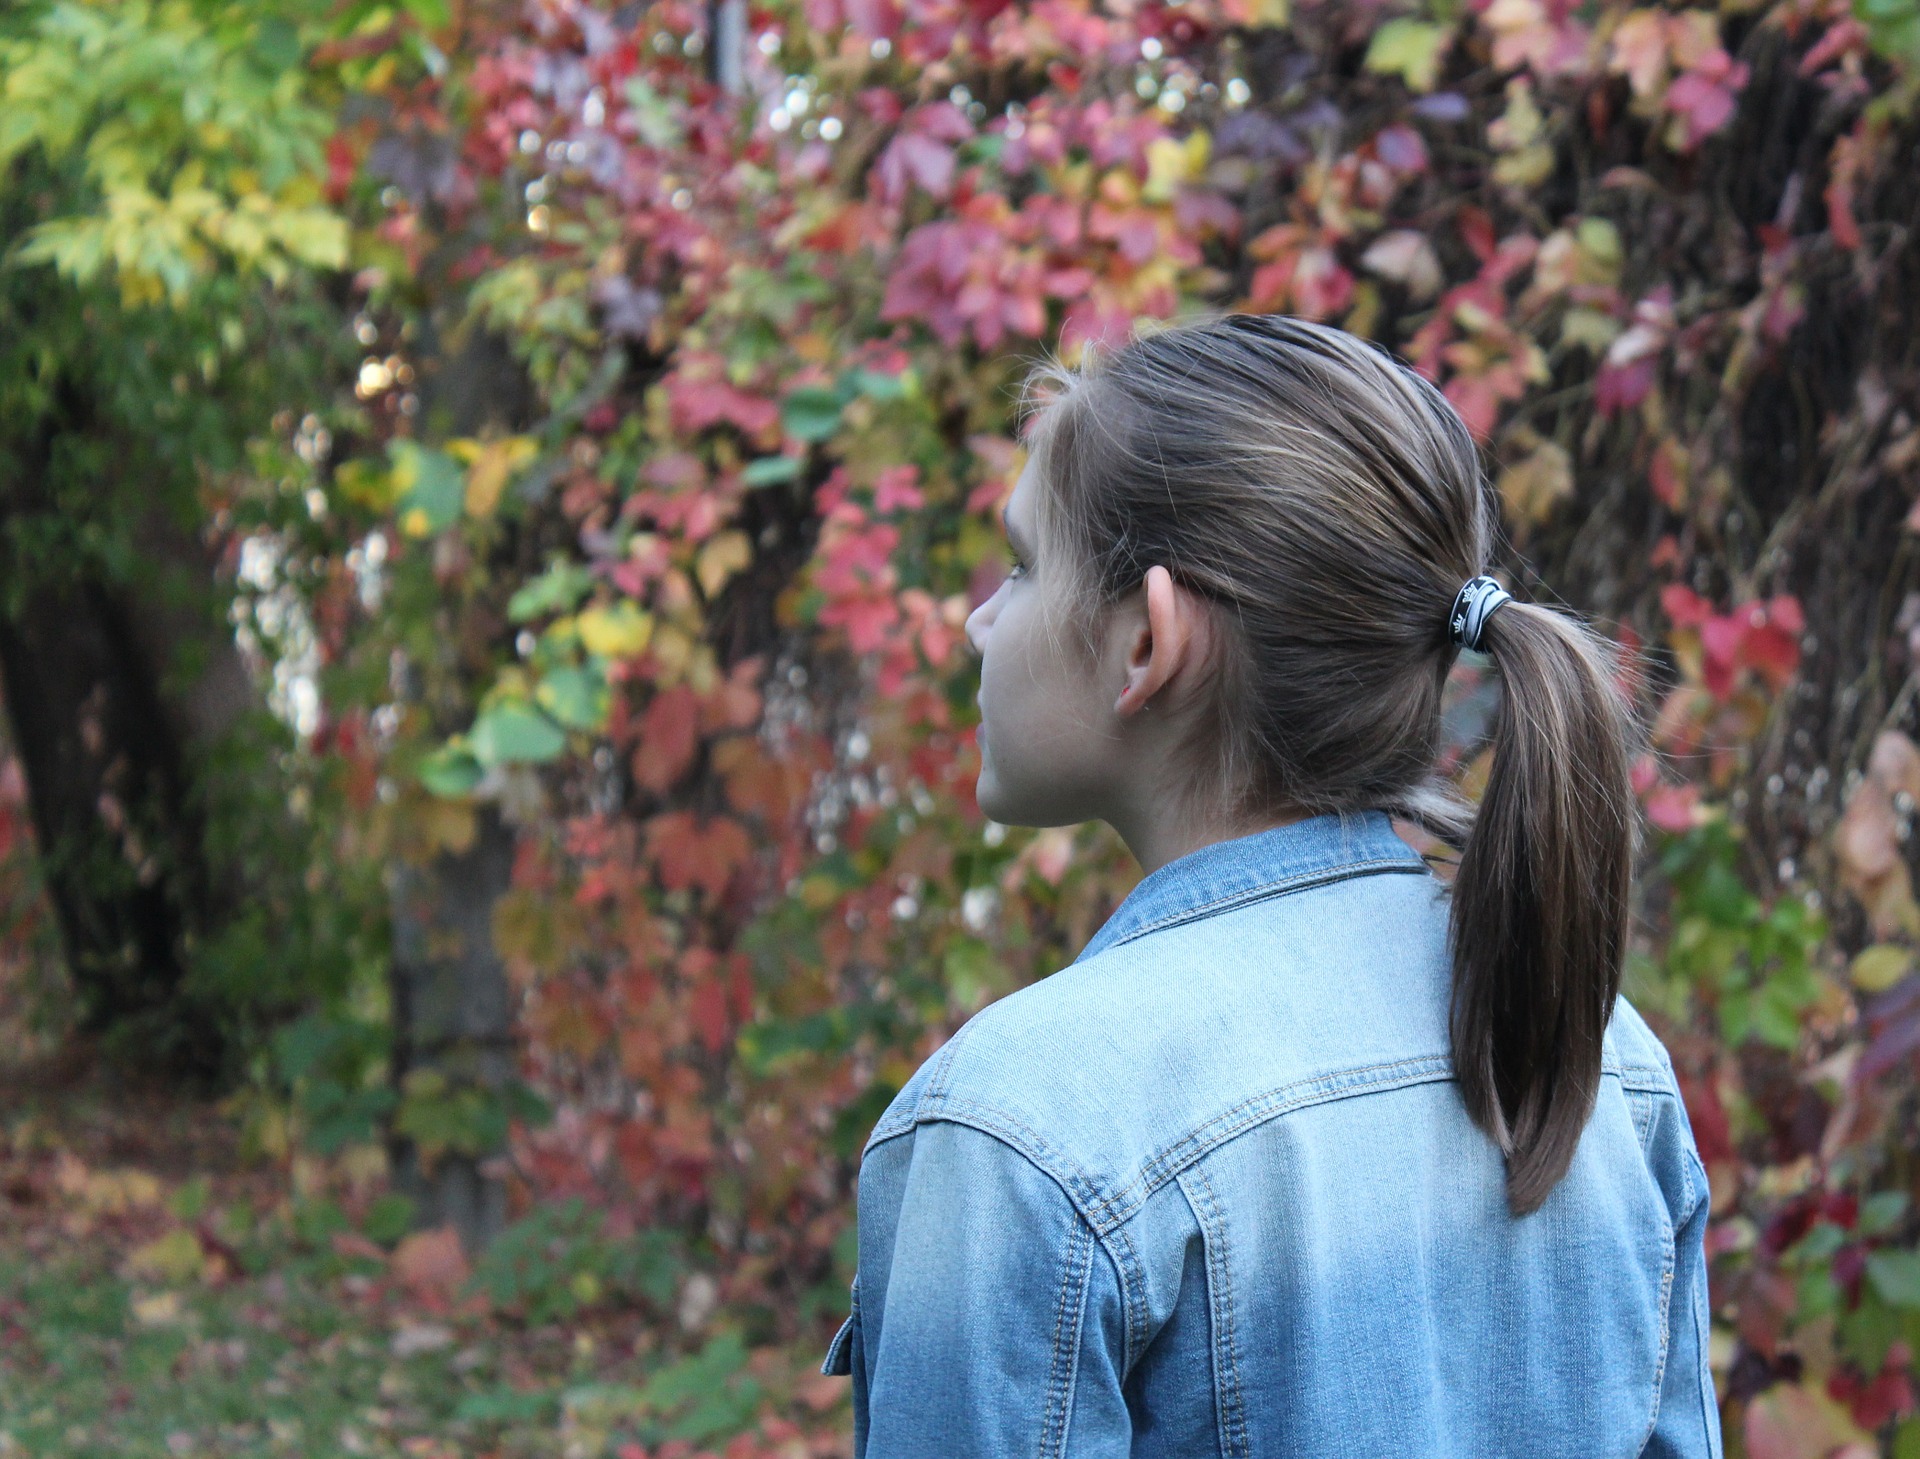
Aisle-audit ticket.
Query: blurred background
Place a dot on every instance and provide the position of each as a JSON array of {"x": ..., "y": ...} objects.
[{"x": 489, "y": 497}]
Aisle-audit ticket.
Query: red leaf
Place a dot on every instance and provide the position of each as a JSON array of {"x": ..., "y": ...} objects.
[
  {"x": 1685, "y": 607},
  {"x": 687, "y": 854},
  {"x": 1618, "y": 388},
  {"x": 669, "y": 738},
  {"x": 709, "y": 1010}
]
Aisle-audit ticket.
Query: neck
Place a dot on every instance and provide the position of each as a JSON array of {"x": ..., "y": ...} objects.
[{"x": 1156, "y": 840}]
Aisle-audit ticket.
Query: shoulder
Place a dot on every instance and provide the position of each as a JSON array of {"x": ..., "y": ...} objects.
[
  {"x": 1635, "y": 1052},
  {"x": 1158, "y": 1044}
]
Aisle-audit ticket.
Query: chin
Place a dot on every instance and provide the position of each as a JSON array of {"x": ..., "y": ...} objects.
[
  {"x": 993, "y": 802},
  {"x": 1012, "y": 810}
]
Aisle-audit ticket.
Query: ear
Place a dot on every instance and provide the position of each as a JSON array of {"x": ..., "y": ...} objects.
[{"x": 1162, "y": 645}]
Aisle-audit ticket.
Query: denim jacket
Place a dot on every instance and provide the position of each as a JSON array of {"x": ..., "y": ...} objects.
[{"x": 1210, "y": 1190}]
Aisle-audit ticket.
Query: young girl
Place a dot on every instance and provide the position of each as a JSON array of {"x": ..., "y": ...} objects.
[{"x": 1309, "y": 1152}]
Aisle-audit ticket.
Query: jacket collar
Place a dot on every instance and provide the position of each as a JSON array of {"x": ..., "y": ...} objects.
[{"x": 1242, "y": 869}]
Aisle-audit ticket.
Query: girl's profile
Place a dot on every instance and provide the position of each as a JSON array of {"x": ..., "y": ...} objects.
[{"x": 1313, "y": 1149}]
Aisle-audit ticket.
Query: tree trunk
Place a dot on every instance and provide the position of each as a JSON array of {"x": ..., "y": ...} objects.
[
  {"x": 119, "y": 839},
  {"x": 452, "y": 1026}
]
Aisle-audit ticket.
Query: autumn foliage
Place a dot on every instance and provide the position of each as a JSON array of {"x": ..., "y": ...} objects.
[{"x": 672, "y": 469}]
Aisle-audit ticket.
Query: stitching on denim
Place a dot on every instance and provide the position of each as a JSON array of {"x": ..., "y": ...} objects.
[
  {"x": 936, "y": 1081},
  {"x": 1230, "y": 1410},
  {"x": 1666, "y": 1305},
  {"x": 1642, "y": 1113},
  {"x": 1133, "y": 1296},
  {"x": 902, "y": 1125},
  {"x": 1702, "y": 1337},
  {"x": 1106, "y": 1213},
  {"x": 1256, "y": 1109},
  {"x": 1647, "y": 1078},
  {"x": 1300, "y": 881},
  {"x": 1064, "y": 1363},
  {"x": 909, "y": 1117},
  {"x": 1660, "y": 1367},
  {"x": 1029, "y": 1142}
]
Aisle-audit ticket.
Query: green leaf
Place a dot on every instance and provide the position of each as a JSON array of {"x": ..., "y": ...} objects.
[
  {"x": 1881, "y": 1212},
  {"x": 1878, "y": 968},
  {"x": 557, "y": 589},
  {"x": 277, "y": 44},
  {"x": 771, "y": 470},
  {"x": 577, "y": 697},
  {"x": 504, "y": 1405},
  {"x": 1411, "y": 50},
  {"x": 389, "y": 1217},
  {"x": 811, "y": 413},
  {"x": 432, "y": 488},
  {"x": 451, "y": 770},
  {"x": 432, "y": 14},
  {"x": 1896, "y": 1276},
  {"x": 875, "y": 385},
  {"x": 515, "y": 734}
]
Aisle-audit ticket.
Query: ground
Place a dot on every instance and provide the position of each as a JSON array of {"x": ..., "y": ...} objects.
[{"x": 163, "y": 1294}]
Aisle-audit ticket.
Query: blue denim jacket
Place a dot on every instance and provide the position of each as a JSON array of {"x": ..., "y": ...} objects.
[{"x": 1210, "y": 1190}]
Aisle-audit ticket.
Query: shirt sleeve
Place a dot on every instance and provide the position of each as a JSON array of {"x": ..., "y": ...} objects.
[{"x": 990, "y": 1314}]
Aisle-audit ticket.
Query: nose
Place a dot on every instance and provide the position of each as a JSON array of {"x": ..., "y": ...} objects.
[{"x": 978, "y": 622}]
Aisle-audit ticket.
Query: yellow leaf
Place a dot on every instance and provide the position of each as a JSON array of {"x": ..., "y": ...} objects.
[
  {"x": 1409, "y": 49},
  {"x": 175, "y": 1257},
  {"x": 1171, "y": 162},
  {"x": 493, "y": 464},
  {"x": 1878, "y": 968},
  {"x": 720, "y": 558},
  {"x": 616, "y": 632},
  {"x": 1529, "y": 167},
  {"x": 416, "y": 523},
  {"x": 162, "y": 1309},
  {"x": 1592, "y": 328},
  {"x": 673, "y": 648},
  {"x": 1519, "y": 125},
  {"x": 1533, "y": 486},
  {"x": 1255, "y": 13}
]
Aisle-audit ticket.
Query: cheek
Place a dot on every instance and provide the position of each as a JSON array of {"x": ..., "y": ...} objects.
[{"x": 1025, "y": 676}]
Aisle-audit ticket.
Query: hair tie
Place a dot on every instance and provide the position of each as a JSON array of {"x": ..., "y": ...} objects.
[{"x": 1473, "y": 605}]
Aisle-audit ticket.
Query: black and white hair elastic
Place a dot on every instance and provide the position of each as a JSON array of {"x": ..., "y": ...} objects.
[{"x": 1473, "y": 605}]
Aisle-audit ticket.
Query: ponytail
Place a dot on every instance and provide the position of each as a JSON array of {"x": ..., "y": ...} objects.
[{"x": 1539, "y": 918}]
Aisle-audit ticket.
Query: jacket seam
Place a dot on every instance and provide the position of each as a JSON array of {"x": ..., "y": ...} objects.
[
  {"x": 1230, "y": 1407},
  {"x": 908, "y": 1118},
  {"x": 1105, "y": 1213},
  {"x": 1118, "y": 1244},
  {"x": 1702, "y": 1314},
  {"x": 1075, "y": 1187},
  {"x": 1257, "y": 1109},
  {"x": 1669, "y": 1259},
  {"x": 1299, "y": 881},
  {"x": 1068, "y": 1318}
]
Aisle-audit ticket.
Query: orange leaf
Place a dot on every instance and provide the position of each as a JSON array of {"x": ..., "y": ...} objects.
[{"x": 431, "y": 1263}]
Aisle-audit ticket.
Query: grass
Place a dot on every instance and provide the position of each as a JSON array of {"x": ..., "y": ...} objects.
[{"x": 160, "y": 1296}]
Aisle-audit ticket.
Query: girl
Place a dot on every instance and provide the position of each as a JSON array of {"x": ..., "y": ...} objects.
[{"x": 1309, "y": 1152}]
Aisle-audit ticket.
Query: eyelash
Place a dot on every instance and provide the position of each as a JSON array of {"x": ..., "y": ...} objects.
[{"x": 1018, "y": 569}]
